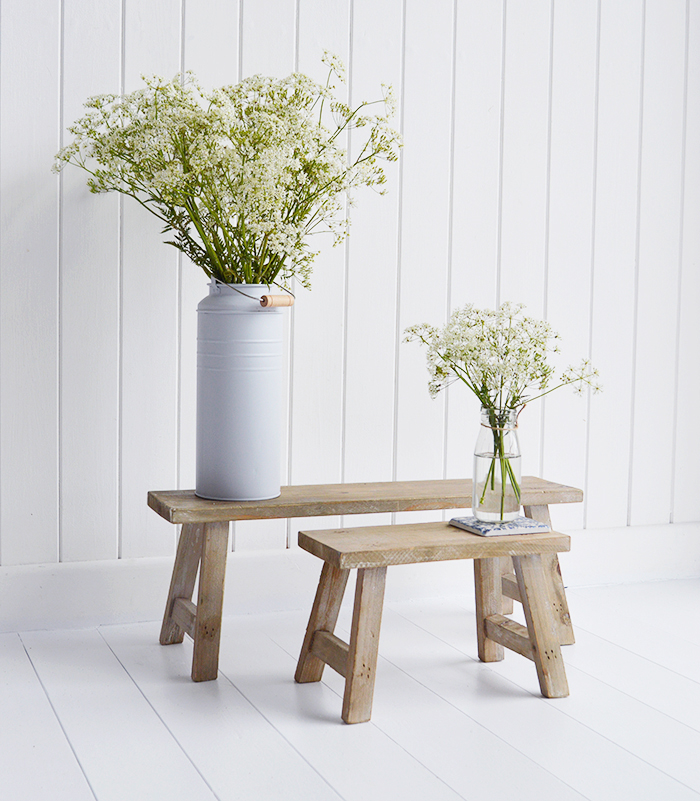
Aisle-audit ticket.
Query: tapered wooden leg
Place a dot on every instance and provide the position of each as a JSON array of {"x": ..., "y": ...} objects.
[
  {"x": 542, "y": 631},
  {"x": 489, "y": 601},
  {"x": 207, "y": 625},
  {"x": 552, "y": 568},
  {"x": 324, "y": 615},
  {"x": 189, "y": 554},
  {"x": 364, "y": 645}
]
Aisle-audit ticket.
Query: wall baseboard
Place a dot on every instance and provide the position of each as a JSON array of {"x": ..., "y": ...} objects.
[
  {"x": 631, "y": 554},
  {"x": 85, "y": 594}
]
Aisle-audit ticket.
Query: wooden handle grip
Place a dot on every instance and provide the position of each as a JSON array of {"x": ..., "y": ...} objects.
[{"x": 276, "y": 300}]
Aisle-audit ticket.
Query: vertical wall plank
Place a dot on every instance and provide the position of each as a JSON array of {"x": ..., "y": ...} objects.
[
  {"x": 659, "y": 242},
  {"x": 525, "y": 153},
  {"x": 525, "y": 176},
  {"x": 686, "y": 501},
  {"x": 475, "y": 194},
  {"x": 211, "y": 39},
  {"x": 477, "y": 146},
  {"x": 319, "y": 314},
  {"x": 373, "y": 263},
  {"x": 268, "y": 37},
  {"x": 372, "y": 250},
  {"x": 29, "y": 72},
  {"x": 149, "y": 311},
  {"x": 317, "y": 379},
  {"x": 423, "y": 277},
  {"x": 89, "y": 303},
  {"x": 570, "y": 209},
  {"x": 620, "y": 73},
  {"x": 268, "y": 47}
]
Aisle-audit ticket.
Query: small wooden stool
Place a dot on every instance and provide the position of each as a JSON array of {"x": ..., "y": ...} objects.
[{"x": 372, "y": 549}]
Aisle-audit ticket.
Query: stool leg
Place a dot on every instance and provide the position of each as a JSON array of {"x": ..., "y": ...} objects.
[
  {"x": 207, "y": 627},
  {"x": 324, "y": 615},
  {"x": 489, "y": 601},
  {"x": 552, "y": 568},
  {"x": 189, "y": 554},
  {"x": 542, "y": 631},
  {"x": 364, "y": 645}
]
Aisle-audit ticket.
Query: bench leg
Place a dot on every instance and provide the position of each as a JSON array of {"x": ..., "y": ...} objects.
[
  {"x": 207, "y": 624},
  {"x": 506, "y": 570},
  {"x": 189, "y": 554},
  {"x": 489, "y": 601},
  {"x": 552, "y": 568},
  {"x": 364, "y": 645},
  {"x": 533, "y": 584},
  {"x": 324, "y": 615}
]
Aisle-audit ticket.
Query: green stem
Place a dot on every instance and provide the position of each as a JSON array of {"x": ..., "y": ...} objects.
[
  {"x": 497, "y": 423},
  {"x": 489, "y": 475}
]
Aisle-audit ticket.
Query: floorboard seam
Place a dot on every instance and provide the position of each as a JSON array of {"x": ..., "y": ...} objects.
[
  {"x": 373, "y": 723},
  {"x": 449, "y": 703},
  {"x": 637, "y": 655},
  {"x": 272, "y": 725},
  {"x": 562, "y": 711},
  {"x": 58, "y": 718},
  {"x": 158, "y": 715}
]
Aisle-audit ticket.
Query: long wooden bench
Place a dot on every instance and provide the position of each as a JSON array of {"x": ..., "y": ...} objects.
[{"x": 372, "y": 549}]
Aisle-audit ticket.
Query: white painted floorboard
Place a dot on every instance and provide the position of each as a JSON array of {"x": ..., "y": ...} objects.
[
  {"x": 36, "y": 760},
  {"x": 241, "y": 753},
  {"x": 123, "y": 747},
  {"x": 110, "y": 714}
]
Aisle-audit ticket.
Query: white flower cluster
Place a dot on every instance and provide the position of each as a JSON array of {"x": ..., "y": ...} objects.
[
  {"x": 500, "y": 355},
  {"x": 241, "y": 175}
]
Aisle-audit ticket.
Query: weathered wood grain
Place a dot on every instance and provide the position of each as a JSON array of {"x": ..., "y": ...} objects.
[
  {"x": 324, "y": 615},
  {"x": 560, "y": 605},
  {"x": 509, "y": 586},
  {"x": 506, "y": 599},
  {"x": 364, "y": 645},
  {"x": 189, "y": 553},
  {"x": 185, "y": 615},
  {"x": 205, "y": 661},
  {"x": 313, "y": 500},
  {"x": 543, "y": 633},
  {"x": 372, "y": 546},
  {"x": 487, "y": 587},
  {"x": 331, "y": 650},
  {"x": 508, "y": 633}
]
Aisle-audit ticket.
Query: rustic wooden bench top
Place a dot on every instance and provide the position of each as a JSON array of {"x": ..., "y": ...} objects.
[
  {"x": 372, "y": 546},
  {"x": 311, "y": 500}
]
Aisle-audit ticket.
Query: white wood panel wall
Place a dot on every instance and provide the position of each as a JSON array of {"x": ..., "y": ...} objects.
[{"x": 551, "y": 156}]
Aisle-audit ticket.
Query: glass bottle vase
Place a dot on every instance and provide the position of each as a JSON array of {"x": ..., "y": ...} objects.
[{"x": 497, "y": 468}]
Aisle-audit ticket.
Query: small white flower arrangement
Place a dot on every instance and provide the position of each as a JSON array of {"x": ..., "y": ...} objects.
[
  {"x": 501, "y": 355},
  {"x": 242, "y": 175}
]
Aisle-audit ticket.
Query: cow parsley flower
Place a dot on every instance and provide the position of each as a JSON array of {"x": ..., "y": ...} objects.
[
  {"x": 501, "y": 355},
  {"x": 242, "y": 175}
]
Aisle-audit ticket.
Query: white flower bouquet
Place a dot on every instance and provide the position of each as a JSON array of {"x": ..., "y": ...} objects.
[
  {"x": 501, "y": 356},
  {"x": 241, "y": 176}
]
